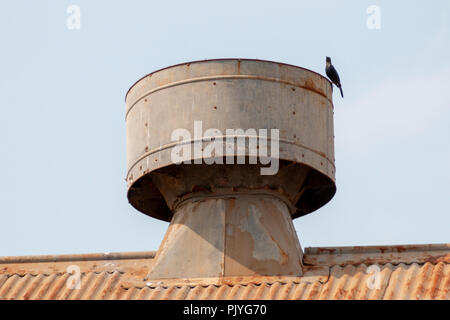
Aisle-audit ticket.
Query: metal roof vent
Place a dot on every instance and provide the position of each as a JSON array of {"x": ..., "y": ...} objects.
[{"x": 229, "y": 151}]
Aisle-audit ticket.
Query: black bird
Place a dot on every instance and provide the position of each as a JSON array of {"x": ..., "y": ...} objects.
[{"x": 333, "y": 75}]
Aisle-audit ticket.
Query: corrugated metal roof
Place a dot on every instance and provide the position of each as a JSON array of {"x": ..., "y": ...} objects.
[{"x": 330, "y": 273}]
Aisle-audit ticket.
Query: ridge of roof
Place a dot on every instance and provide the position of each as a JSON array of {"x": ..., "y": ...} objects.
[
  {"x": 395, "y": 254},
  {"x": 78, "y": 257}
]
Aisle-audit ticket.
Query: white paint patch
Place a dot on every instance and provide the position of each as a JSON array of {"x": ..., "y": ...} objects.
[{"x": 264, "y": 246}]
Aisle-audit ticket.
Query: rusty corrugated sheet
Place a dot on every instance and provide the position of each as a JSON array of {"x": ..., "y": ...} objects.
[
  {"x": 414, "y": 281},
  {"x": 43, "y": 279},
  {"x": 397, "y": 282},
  {"x": 53, "y": 287},
  {"x": 132, "y": 264}
]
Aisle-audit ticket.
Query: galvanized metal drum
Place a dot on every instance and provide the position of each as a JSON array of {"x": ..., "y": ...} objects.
[{"x": 214, "y": 96}]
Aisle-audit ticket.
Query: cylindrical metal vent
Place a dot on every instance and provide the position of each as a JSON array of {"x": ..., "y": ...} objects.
[
  {"x": 221, "y": 95},
  {"x": 229, "y": 151}
]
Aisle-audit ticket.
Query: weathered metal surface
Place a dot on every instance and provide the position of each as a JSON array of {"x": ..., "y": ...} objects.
[
  {"x": 232, "y": 94},
  {"x": 39, "y": 278},
  {"x": 216, "y": 238},
  {"x": 79, "y": 257},
  {"x": 131, "y": 263},
  {"x": 433, "y": 253},
  {"x": 179, "y": 183},
  {"x": 51, "y": 276},
  {"x": 341, "y": 283}
]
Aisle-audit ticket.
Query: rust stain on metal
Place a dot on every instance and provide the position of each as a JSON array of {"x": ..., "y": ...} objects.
[
  {"x": 200, "y": 189},
  {"x": 213, "y": 60},
  {"x": 309, "y": 85},
  {"x": 378, "y": 254},
  {"x": 232, "y": 203},
  {"x": 444, "y": 258},
  {"x": 326, "y": 250}
]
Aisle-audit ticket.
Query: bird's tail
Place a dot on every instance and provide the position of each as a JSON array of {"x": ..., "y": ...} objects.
[{"x": 342, "y": 93}]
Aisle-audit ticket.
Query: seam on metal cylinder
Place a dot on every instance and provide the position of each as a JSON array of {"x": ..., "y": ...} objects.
[
  {"x": 220, "y": 77},
  {"x": 192, "y": 141},
  {"x": 224, "y": 240},
  {"x": 229, "y": 195}
]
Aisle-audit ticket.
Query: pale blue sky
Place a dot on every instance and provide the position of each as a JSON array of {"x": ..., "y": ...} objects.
[{"x": 62, "y": 132}]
